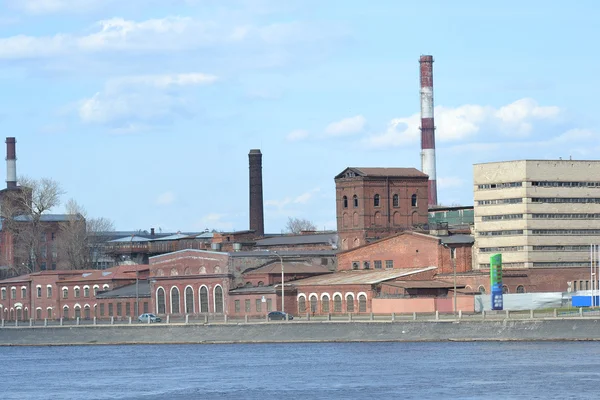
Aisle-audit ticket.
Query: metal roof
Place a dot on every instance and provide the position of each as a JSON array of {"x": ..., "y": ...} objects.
[
  {"x": 253, "y": 289},
  {"x": 176, "y": 236},
  {"x": 457, "y": 239},
  {"x": 127, "y": 291},
  {"x": 318, "y": 238},
  {"x": 298, "y": 267},
  {"x": 424, "y": 284},
  {"x": 361, "y": 277},
  {"x": 128, "y": 239},
  {"x": 385, "y": 172},
  {"x": 284, "y": 253}
]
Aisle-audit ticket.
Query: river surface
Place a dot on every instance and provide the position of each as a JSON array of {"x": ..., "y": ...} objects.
[{"x": 475, "y": 370}]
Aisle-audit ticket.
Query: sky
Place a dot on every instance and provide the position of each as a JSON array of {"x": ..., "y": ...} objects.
[{"x": 145, "y": 111}]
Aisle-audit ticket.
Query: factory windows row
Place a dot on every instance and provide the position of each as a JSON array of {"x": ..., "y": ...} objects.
[
  {"x": 569, "y": 200},
  {"x": 258, "y": 306},
  {"x": 501, "y": 233},
  {"x": 565, "y": 184},
  {"x": 377, "y": 201},
  {"x": 326, "y": 307},
  {"x": 377, "y": 264},
  {"x": 500, "y": 185},
  {"x": 13, "y": 293},
  {"x": 506, "y": 265},
  {"x": 189, "y": 301},
  {"x": 500, "y": 201},
  {"x": 76, "y": 291}
]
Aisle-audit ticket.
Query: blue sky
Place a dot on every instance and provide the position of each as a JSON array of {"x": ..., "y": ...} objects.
[{"x": 145, "y": 110}]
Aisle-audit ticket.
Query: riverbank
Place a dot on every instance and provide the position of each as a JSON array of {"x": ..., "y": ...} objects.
[{"x": 286, "y": 332}]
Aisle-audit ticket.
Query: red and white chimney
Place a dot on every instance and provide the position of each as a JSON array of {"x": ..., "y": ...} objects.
[
  {"x": 11, "y": 163},
  {"x": 428, "y": 127}
]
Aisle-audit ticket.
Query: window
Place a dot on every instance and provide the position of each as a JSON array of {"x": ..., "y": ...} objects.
[
  {"x": 389, "y": 264},
  {"x": 203, "y": 299},
  {"x": 86, "y": 291},
  {"x": 237, "y": 306},
  {"x": 102, "y": 309},
  {"x": 502, "y": 217},
  {"x": 247, "y": 306},
  {"x": 362, "y": 303},
  {"x": 269, "y": 305},
  {"x": 313, "y": 304},
  {"x": 481, "y": 289},
  {"x": 146, "y": 307},
  {"x": 86, "y": 311},
  {"x": 355, "y": 200},
  {"x": 396, "y": 201},
  {"x": 500, "y": 185},
  {"x": 366, "y": 265},
  {"x": 376, "y": 200},
  {"x": 355, "y": 264},
  {"x": 49, "y": 313},
  {"x": 501, "y": 233},
  {"x": 95, "y": 290},
  {"x": 76, "y": 291},
  {"x": 23, "y": 292},
  {"x": 189, "y": 300},
  {"x": 349, "y": 303},
  {"x": 413, "y": 200},
  {"x": 38, "y": 313},
  {"x": 258, "y": 305},
  {"x": 13, "y": 293},
  {"x": 39, "y": 294},
  {"x": 160, "y": 301},
  {"x": 3, "y": 293},
  {"x": 110, "y": 309},
  {"x": 49, "y": 292},
  {"x": 66, "y": 312},
  {"x": 377, "y": 264},
  {"x": 337, "y": 303},
  {"x": 345, "y": 201},
  {"x": 119, "y": 309},
  {"x": 499, "y": 201},
  {"x": 301, "y": 305},
  {"x": 520, "y": 289},
  {"x": 128, "y": 309},
  {"x": 504, "y": 289},
  {"x": 218, "y": 299},
  {"x": 105, "y": 287},
  {"x": 175, "y": 300},
  {"x": 325, "y": 304}
]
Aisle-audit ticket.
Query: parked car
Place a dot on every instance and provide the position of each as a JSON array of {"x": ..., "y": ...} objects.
[
  {"x": 144, "y": 318},
  {"x": 279, "y": 316}
]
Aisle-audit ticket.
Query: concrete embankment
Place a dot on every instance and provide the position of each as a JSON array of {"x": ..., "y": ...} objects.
[{"x": 501, "y": 330}]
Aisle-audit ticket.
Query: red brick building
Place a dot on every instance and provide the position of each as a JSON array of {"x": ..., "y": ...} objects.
[{"x": 372, "y": 203}]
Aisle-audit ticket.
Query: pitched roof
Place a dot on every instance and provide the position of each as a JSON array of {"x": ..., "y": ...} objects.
[
  {"x": 129, "y": 291},
  {"x": 424, "y": 284},
  {"x": 361, "y": 277},
  {"x": 128, "y": 239},
  {"x": 384, "y": 172},
  {"x": 119, "y": 272},
  {"x": 317, "y": 238},
  {"x": 297, "y": 267}
]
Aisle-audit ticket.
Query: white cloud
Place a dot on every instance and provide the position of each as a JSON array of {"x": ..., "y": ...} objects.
[
  {"x": 459, "y": 123},
  {"x": 303, "y": 198},
  {"x": 450, "y": 182},
  {"x": 296, "y": 135},
  {"x": 127, "y": 100},
  {"x": 347, "y": 126},
  {"x": 165, "y": 198},
  {"x": 214, "y": 221}
]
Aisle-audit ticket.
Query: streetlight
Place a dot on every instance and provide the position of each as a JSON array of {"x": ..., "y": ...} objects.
[{"x": 282, "y": 281}]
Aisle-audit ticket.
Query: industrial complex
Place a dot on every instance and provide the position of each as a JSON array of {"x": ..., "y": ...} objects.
[{"x": 395, "y": 249}]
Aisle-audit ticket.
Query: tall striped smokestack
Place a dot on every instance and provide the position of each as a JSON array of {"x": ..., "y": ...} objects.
[
  {"x": 257, "y": 223},
  {"x": 11, "y": 163},
  {"x": 428, "y": 127}
]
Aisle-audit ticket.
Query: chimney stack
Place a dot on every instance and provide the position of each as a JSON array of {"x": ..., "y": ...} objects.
[
  {"x": 11, "y": 163},
  {"x": 257, "y": 223},
  {"x": 428, "y": 127}
]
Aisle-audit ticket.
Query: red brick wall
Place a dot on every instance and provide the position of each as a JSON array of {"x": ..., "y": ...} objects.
[
  {"x": 195, "y": 282},
  {"x": 305, "y": 293}
]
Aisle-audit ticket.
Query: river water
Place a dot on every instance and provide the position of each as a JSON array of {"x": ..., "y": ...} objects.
[{"x": 474, "y": 370}]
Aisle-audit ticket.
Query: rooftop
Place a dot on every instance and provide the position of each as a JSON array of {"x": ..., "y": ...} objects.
[
  {"x": 317, "y": 238},
  {"x": 129, "y": 291},
  {"x": 297, "y": 267},
  {"x": 361, "y": 277},
  {"x": 384, "y": 172}
]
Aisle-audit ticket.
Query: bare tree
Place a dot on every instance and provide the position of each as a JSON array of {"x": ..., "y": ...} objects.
[
  {"x": 22, "y": 211},
  {"x": 297, "y": 225},
  {"x": 79, "y": 240}
]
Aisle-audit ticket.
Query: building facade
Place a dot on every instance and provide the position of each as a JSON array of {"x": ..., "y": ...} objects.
[
  {"x": 373, "y": 203},
  {"x": 537, "y": 214}
]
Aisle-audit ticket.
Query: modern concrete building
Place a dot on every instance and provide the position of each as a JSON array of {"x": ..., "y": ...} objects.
[{"x": 537, "y": 213}]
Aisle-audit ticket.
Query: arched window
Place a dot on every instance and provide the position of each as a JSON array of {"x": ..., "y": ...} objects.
[
  {"x": 105, "y": 287},
  {"x": 175, "y": 300},
  {"x": 362, "y": 303},
  {"x": 313, "y": 304},
  {"x": 345, "y": 200},
  {"x": 65, "y": 293},
  {"x": 76, "y": 291},
  {"x": 203, "y": 299},
  {"x": 86, "y": 291},
  {"x": 187, "y": 271},
  {"x": 376, "y": 200},
  {"x": 349, "y": 303},
  {"x": 66, "y": 312},
  {"x": 481, "y": 289},
  {"x": 23, "y": 292},
  {"x": 413, "y": 200},
  {"x": 49, "y": 291},
  {"x": 189, "y": 300},
  {"x": 38, "y": 313},
  {"x": 13, "y": 293},
  {"x": 77, "y": 312},
  {"x": 160, "y": 272},
  {"x": 3, "y": 297},
  {"x": 396, "y": 201},
  {"x": 218, "y": 299},
  {"x": 301, "y": 305},
  {"x": 325, "y": 304},
  {"x": 174, "y": 272},
  {"x": 49, "y": 312},
  {"x": 337, "y": 303},
  {"x": 217, "y": 270},
  {"x": 86, "y": 312},
  {"x": 202, "y": 270},
  {"x": 261, "y": 283},
  {"x": 160, "y": 301},
  {"x": 25, "y": 314},
  {"x": 39, "y": 292},
  {"x": 95, "y": 290},
  {"x": 355, "y": 200},
  {"x": 520, "y": 289},
  {"x": 504, "y": 289}
]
